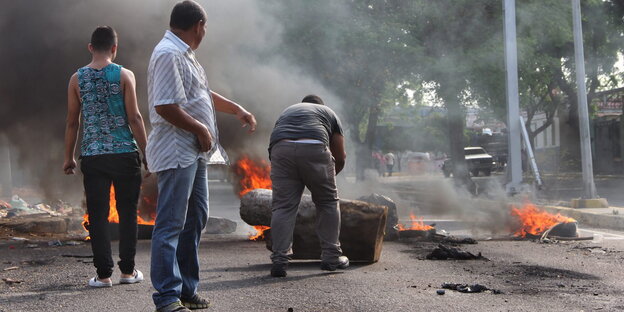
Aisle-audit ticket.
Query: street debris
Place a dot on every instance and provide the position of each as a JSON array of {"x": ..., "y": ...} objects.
[
  {"x": 217, "y": 225},
  {"x": 421, "y": 233},
  {"x": 77, "y": 256},
  {"x": 440, "y": 292},
  {"x": 39, "y": 261},
  {"x": 453, "y": 240},
  {"x": 466, "y": 288},
  {"x": 443, "y": 252},
  {"x": 19, "y": 207},
  {"x": 10, "y": 281},
  {"x": 10, "y": 268},
  {"x": 55, "y": 243},
  {"x": 593, "y": 249}
]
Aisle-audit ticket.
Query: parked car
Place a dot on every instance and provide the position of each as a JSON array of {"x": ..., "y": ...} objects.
[
  {"x": 417, "y": 162},
  {"x": 477, "y": 159}
]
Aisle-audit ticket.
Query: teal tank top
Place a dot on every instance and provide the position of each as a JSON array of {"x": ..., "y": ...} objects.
[{"x": 104, "y": 118}]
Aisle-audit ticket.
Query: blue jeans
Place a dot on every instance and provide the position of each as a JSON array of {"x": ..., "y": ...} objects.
[{"x": 181, "y": 215}]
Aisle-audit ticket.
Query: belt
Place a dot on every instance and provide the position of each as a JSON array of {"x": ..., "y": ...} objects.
[{"x": 304, "y": 141}]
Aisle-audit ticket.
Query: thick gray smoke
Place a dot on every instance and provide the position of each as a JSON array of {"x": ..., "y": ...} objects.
[{"x": 44, "y": 42}]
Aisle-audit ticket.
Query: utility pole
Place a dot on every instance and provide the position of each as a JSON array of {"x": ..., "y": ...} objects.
[
  {"x": 514, "y": 159},
  {"x": 589, "y": 188}
]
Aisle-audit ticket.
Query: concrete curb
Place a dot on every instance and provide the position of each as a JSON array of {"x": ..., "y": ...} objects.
[{"x": 589, "y": 218}]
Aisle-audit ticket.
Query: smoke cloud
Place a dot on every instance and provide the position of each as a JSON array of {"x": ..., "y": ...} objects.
[{"x": 45, "y": 42}]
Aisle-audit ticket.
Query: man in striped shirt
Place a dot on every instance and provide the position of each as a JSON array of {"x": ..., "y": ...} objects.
[{"x": 184, "y": 139}]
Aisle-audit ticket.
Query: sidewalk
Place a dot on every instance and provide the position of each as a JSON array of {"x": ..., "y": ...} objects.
[{"x": 608, "y": 218}]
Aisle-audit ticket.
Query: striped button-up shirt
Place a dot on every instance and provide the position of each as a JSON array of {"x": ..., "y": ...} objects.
[{"x": 175, "y": 77}]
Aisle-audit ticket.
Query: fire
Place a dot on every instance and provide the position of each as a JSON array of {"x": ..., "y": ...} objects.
[
  {"x": 252, "y": 174},
  {"x": 113, "y": 217},
  {"x": 417, "y": 224},
  {"x": 259, "y": 232},
  {"x": 533, "y": 221}
]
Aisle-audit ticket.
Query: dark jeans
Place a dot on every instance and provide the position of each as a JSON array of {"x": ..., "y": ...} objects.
[{"x": 124, "y": 172}]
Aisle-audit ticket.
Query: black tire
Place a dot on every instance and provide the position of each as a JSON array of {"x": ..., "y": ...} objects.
[
  {"x": 487, "y": 172},
  {"x": 446, "y": 174},
  {"x": 475, "y": 172}
]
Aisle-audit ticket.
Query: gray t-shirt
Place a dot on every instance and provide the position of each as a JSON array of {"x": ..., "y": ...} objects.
[{"x": 306, "y": 121}]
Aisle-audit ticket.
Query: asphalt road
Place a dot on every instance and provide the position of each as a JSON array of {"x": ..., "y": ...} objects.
[
  {"x": 234, "y": 275},
  {"x": 564, "y": 276}
]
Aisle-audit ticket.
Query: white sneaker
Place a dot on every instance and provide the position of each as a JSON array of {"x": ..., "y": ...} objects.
[
  {"x": 137, "y": 278},
  {"x": 95, "y": 282}
]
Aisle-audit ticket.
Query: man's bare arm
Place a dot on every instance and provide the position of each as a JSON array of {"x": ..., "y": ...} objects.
[
  {"x": 337, "y": 148},
  {"x": 135, "y": 120},
  {"x": 224, "y": 105},
  {"x": 72, "y": 125},
  {"x": 173, "y": 114}
]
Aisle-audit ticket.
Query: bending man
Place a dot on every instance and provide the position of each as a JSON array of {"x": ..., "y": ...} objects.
[{"x": 306, "y": 150}]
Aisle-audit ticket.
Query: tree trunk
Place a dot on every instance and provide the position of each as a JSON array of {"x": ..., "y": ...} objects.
[
  {"x": 364, "y": 158},
  {"x": 456, "y": 124},
  {"x": 361, "y": 229}
]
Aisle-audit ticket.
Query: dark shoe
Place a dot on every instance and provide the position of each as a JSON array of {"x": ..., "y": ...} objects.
[
  {"x": 195, "y": 302},
  {"x": 341, "y": 263},
  {"x": 173, "y": 307},
  {"x": 278, "y": 270}
]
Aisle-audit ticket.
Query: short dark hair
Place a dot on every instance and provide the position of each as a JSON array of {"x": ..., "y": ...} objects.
[
  {"x": 185, "y": 14},
  {"x": 312, "y": 99},
  {"x": 103, "y": 38}
]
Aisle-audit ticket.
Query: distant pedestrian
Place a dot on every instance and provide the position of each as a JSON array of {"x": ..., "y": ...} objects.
[
  {"x": 306, "y": 150},
  {"x": 103, "y": 93},
  {"x": 378, "y": 162},
  {"x": 184, "y": 139},
  {"x": 389, "y": 158}
]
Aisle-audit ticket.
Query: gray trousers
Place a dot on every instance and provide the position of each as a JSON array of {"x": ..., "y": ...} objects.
[{"x": 293, "y": 167}]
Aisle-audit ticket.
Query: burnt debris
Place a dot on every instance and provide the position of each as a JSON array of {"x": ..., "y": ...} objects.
[
  {"x": 466, "y": 288},
  {"x": 443, "y": 252}
]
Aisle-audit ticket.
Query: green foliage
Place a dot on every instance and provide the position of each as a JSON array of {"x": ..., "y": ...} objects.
[{"x": 370, "y": 52}]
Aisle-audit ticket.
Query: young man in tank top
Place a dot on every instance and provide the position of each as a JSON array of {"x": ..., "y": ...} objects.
[{"x": 103, "y": 93}]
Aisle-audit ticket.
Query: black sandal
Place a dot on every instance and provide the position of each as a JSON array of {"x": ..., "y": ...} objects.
[
  {"x": 173, "y": 307},
  {"x": 195, "y": 302}
]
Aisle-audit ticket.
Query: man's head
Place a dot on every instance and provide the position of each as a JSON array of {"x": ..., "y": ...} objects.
[
  {"x": 188, "y": 21},
  {"x": 104, "y": 41},
  {"x": 312, "y": 99}
]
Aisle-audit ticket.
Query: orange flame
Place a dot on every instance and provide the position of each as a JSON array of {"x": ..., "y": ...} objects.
[
  {"x": 113, "y": 216},
  {"x": 533, "y": 221},
  {"x": 259, "y": 232},
  {"x": 417, "y": 224},
  {"x": 252, "y": 174}
]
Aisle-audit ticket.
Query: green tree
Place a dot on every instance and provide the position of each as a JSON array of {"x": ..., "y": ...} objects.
[{"x": 355, "y": 50}]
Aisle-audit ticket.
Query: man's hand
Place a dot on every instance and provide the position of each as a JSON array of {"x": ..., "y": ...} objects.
[
  {"x": 69, "y": 166},
  {"x": 246, "y": 118},
  {"x": 173, "y": 114},
  {"x": 205, "y": 139},
  {"x": 224, "y": 105}
]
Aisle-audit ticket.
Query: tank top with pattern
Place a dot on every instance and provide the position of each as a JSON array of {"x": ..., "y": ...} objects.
[{"x": 104, "y": 118}]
